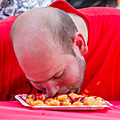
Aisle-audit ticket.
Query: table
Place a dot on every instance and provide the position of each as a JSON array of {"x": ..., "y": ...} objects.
[{"x": 14, "y": 110}]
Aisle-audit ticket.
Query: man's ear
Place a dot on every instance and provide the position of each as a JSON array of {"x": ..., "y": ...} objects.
[{"x": 80, "y": 43}]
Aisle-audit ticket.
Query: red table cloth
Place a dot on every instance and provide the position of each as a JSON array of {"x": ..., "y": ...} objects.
[{"x": 14, "y": 110}]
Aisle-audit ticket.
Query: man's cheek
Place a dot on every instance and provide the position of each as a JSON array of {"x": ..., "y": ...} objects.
[{"x": 69, "y": 80}]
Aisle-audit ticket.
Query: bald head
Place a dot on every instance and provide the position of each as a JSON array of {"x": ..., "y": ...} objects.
[
  {"x": 34, "y": 22},
  {"x": 43, "y": 43},
  {"x": 38, "y": 21},
  {"x": 38, "y": 32}
]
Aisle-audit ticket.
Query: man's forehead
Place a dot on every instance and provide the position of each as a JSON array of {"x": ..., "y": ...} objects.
[
  {"x": 40, "y": 58},
  {"x": 44, "y": 66},
  {"x": 34, "y": 42}
]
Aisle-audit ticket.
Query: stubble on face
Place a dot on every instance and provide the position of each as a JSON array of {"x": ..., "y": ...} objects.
[
  {"x": 76, "y": 86},
  {"x": 82, "y": 67}
]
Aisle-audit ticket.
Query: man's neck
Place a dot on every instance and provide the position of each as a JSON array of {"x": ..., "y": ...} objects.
[{"x": 80, "y": 24}]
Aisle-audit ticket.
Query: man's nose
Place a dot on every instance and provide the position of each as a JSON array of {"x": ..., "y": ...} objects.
[{"x": 51, "y": 88}]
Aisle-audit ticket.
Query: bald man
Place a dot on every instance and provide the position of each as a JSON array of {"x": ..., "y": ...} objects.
[
  {"x": 51, "y": 47},
  {"x": 49, "y": 58}
]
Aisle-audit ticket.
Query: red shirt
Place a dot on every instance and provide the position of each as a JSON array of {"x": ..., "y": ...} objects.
[{"x": 102, "y": 75}]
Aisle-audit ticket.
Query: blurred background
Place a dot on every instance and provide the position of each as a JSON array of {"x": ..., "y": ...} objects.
[
  {"x": 93, "y": 3},
  {"x": 14, "y": 7}
]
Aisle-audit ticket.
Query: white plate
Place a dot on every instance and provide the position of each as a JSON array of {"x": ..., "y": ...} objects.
[{"x": 22, "y": 98}]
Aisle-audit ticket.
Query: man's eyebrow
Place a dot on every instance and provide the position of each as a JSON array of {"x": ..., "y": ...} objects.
[
  {"x": 55, "y": 74},
  {"x": 48, "y": 79}
]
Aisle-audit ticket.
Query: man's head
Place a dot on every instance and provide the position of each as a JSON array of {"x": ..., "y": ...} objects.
[{"x": 45, "y": 43}]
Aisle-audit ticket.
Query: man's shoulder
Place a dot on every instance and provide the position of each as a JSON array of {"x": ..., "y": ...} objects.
[
  {"x": 8, "y": 21},
  {"x": 5, "y": 28},
  {"x": 100, "y": 11}
]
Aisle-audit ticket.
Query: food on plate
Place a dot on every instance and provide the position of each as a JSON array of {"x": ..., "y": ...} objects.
[{"x": 71, "y": 99}]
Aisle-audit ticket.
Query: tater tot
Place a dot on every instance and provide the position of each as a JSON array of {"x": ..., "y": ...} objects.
[
  {"x": 66, "y": 104},
  {"x": 71, "y": 99},
  {"x": 89, "y": 101},
  {"x": 37, "y": 102},
  {"x": 61, "y": 97},
  {"x": 29, "y": 101},
  {"x": 78, "y": 104},
  {"x": 74, "y": 95},
  {"x": 54, "y": 103}
]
